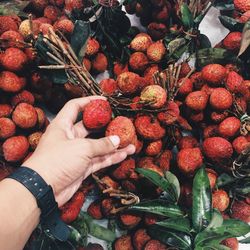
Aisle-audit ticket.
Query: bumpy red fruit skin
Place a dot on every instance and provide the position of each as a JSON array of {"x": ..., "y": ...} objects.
[
  {"x": 108, "y": 86},
  {"x": 241, "y": 210},
  {"x": 7, "y": 128},
  {"x": 120, "y": 68},
  {"x": 15, "y": 148},
  {"x": 212, "y": 176},
  {"x": 34, "y": 139},
  {"x": 24, "y": 96},
  {"x": 221, "y": 99},
  {"x": 140, "y": 238},
  {"x": 24, "y": 116},
  {"x": 14, "y": 59},
  {"x": 124, "y": 170},
  {"x": 217, "y": 148},
  {"x": 230, "y": 127},
  {"x": 65, "y": 26},
  {"x": 186, "y": 86},
  {"x": 232, "y": 41},
  {"x": 154, "y": 245},
  {"x": 51, "y": 12},
  {"x": 7, "y": 23},
  {"x": 128, "y": 82},
  {"x": 220, "y": 200},
  {"x": 97, "y": 114},
  {"x": 156, "y": 51},
  {"x": 189, "y": 160},
  {"x": 129, "y": 221},
  {"x": 149, "y": 128},
  {"x": 164, "y": 160},
  {"x": 240, "y": 143},
  {"x": 41, "y": 117},
  {"x": 122, "y": 127},
  {"x": 13, "y": 37},
  {"x": 234, "y": 82},
  {"x": 197, "y": 100},
  {"x": 100, "y": 63},
  {"x": 232, "y": 243},
  {"x": 153, "y": 148},
  {"x": 70, "y": 5},
  {"x": 123, "y": 243},
  {"x": 94, "y": 210},
  {"x": 149, "y": 74},
  {"x": 171, "y": 114},
  {"x": 210, "y": 131},
  {"x": 188, "y": 142},
  {"x": 141, "y": 42},
  {"x": 242, "y": 5},
  {"x": 93, "y": 47},
  {"x": 154, "y": 95},
  {"x": 10, "y": 82},
  {"x": 218, "y": 117},
  {"x": 214, "y": 74},
  {"x": 157, "y": 30},
  {"x": 5, "y": 110},
  {"x": 138, "y": 62}
]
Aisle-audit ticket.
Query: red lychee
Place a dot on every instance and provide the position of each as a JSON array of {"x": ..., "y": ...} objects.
[
  {"x": 138, "y": 61},
  {"x": 188, "y": 142},
  {"x": 171, "y": 114},
  {"x": 7, "y": 128},
  {"x": 234, "y": 82},
  {"x": 214, "y": 74},
  {"x": 185, "y": 69},
  {"x": 156, "y": 51},
  {"x": 24, "y": 96},
  {"x": 122, "y": 127},
  {"x": 206, "y": 88},
  {"x": 154, "y": 245},
  {"x": 217, "y": 148},
  {"x": 141, "y": 42},
  {"x": 232, "y": 41},
  {"x": 196, "y": 116},
  {"x": 164, "y": 160},
  {"x": 120, "y": 68},
  {"x": 185, "y": 86},
  {"x": 100, "y": 63},
  {"x": 241, "y": 210},
  {"x": 7, "y": 23},
  {"x": 34, "y": 139},
  {"x": 70, "y": 5},
  {"x": 212, "y": 176},
  {"x": 189, "y": 159},
  {"x": 218, "y": 117},
  {"x": 240, "y": 143},
  {"x": 197, "y": 100},
  {"x": 149, "y": 128},
  {"x": 108, "y": 86},
  {"x": 24, "y": 116},
  {"x": 5, "y": 110},
  {"x": 128, "y": 82},
  {"x": 231, "y": 243},
  {"x": 153, "y": 148},
  {"x": 10, "y": 82},
  {"x": 125, "y": 170},
  {"x": 41, "y": 117},
  {"x": 39, "y": 5},
  {"x": 87, "y": 63},
  {"x": 157, "y": 30},
  {"x": 149, "y": 74},
  {"x": 15, "y": 148},
  {"x": 230, "y": 127},
  {"x": 94, "y": 210},
  {"x": 221, "y": 99},
  {"x": 161, "y": 15},
  {"x": 244, "y": 17},
  {"x": 210, "y": 131},
  {"x": 140, "y": 238},
  {"x": 97, "y": 114},
  {"x": 92, "y": 48},
  {"x": 220, "y": 200},
  {"x": 51, "y": 12},
  {"x": 65, "y": 26},
  {"x": 13, "y": 38},
  {"x": 154, "y": 96},
  {"x": 242, "y": 5}
]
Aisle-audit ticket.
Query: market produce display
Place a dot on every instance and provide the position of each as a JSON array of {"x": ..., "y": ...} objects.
[{"x": 183, "y": 104}]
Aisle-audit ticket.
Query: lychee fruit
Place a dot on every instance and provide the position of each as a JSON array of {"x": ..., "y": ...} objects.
[
  {"x": 242, "y": 5},
  {"x": 220, "y": 200},
  {"x": 154, "y": 245},
  {"x": 7, "y": 23},
  {"x": 188, "y": 142},
  {"x": 41, "y": 117},
  {"x": 212, "y": 177},
  {"x": 217, "y": 148},
  {"x": 231, "y": 243},
  {"x": 100, "y": 63},
  {"x": 14, "y": 59},
  {"x": 161, "y": 15},
  {"x": 122, "y": 127},
  {"x": 141, "y": 42},
  {"x": 153, "y": 148},
  {"x": 157, "y": 30},
  {"x": 7, "y": 128},
  {"x": 70, "y": 5},
  {"x": 23, "y": 96},
  {"x": 140, "y": 238},
  {"x": 221, "y": 99},
  {"x": 185, "y": 86},
  {"x": 5, "y": 110},
  {"x": 13, "y": 38},
  {"x": 24, "y": 116},
  {"x": 97, "y": 114},
  {"x": 218, "y": 117},
  {"x": 241, "y": 210},
  {"x": 170, "y": 115},
  {"x": 230, "y": 127},
  {"x": 10, "y": 82},
  {"x": 92, "y": 47},
  {"x": 15, "y": 148},
  {"x": 189, "y": 159},
  {"x": 156, "y": 51},
  {"x": 26, "y": 30},
  {"x": 87, "y": 63},
  {"x": 197, "y": 100},
  {"x": 185, "y": 69},
  {"x": 240, "y": 143},
  {"x": 196, "y": 116},
  {"x": 34, "y": 139},
  {"x": 94, "y": 210},
  {"x": 125, "y": 170},
  {"x": 234, "y": 82},
  {"x": 39, "y": 5},
  {"x": 244, "y": 17},
  {"x": 51, "y": 12},
  {"x": 154, "y": 96},
  {"x": 65, "y": 26},
  {"x": 214, "y": 74},
  {"x": 129, "y": 220},
  {"x": 120, "y": 68},
  {"x": 164, "y": 160},
  {"x": 128, "y": 82},
  {"x": 149, "y": 128},
  {"x": 138, "y": 61},
  {"x": 232, "y": 41},
  {"x": 210, "y": 131},
  {"x": 149, "y": 74},
  {"x": 108, "y": 86}
]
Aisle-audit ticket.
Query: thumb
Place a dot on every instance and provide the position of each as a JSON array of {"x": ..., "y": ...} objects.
[{"x": 103, "y": 146}]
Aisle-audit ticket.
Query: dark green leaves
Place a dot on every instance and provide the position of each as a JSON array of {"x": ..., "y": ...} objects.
[
  {"x": 170, "y": 237},
  {"x": 80, "y": 37},
  {"x": 186, "y": 16},
  {"x": 230, "y": 23},
  {"x": 224, "y": 179},
  {"x": 14, "y": 7},
  {"x": 224, "y": 5},
  {"x": 245, "y": 41},
  {"x": 159, "y": 207},
  {"x": 169, "y": 183},
  {"x": 202, "y": 207}
]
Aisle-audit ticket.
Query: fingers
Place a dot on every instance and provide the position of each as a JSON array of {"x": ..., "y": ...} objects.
[
  {"x": 100, "y": 147},
  {"x": 79, "y": 130},
  {"x": 68, "y": 114}
]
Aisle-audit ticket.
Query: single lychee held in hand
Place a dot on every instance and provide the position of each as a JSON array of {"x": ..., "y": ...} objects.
[{"x": 97, "y": 114}]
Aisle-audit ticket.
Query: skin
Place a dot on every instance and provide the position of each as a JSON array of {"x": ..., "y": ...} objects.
[{"x": 64, "y": 158}]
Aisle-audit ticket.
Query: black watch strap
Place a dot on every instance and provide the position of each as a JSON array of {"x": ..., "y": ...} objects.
[{"x": 50, "y": 217}]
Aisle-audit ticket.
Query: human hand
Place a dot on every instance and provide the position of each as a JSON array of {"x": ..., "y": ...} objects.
[{"x": 64, "y": 157}]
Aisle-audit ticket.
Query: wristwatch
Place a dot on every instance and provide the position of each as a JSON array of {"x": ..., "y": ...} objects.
[{"x": 50, "y": 219}]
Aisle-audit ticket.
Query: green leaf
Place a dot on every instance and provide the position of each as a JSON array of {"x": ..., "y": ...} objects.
[
  {"x": 230, "y": 228},
  {"x": 78, "y": 236},
  {"x": 14, "y": 7},
  {"x": 170, "y": 237},
  {"x": 179, "y": 224},
  {"x": 96, "y": 230},
  {"x": 57, "y": 76},
  {"x": 186, "y": 16},
  {"x": 176, "y": 44},
  {"x": 231, "y": 24},
  {"x": 169, "y": 184},
  {"x": 224, "y": 179},
  {"x": 224, "y": 5},
  {"x": 202, "y": 205},
  {"x": 80, "y": 37},
  {"x": 245, "y": 40},
  {"x": 174, "y": 184},
  {"x": 160, "y": 207},
  {"x": 216, "y": 221},
  {"x": 245, "y": 240},
  {"x": 204, "y": 41}
]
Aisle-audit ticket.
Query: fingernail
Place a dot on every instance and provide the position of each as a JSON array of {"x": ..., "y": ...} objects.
[{"x": 115, "y": 140}]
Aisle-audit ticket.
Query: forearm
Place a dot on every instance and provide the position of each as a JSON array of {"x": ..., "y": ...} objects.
[{"x": 20, "y": 215}]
